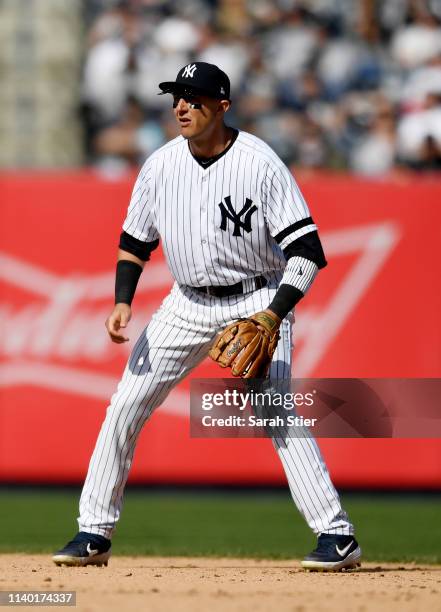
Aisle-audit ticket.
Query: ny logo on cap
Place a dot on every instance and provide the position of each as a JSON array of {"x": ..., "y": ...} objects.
[{"x": 189, "y": 70}]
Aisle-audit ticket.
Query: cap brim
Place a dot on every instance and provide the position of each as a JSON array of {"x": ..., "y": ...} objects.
[{"x": 172, "y": 87}]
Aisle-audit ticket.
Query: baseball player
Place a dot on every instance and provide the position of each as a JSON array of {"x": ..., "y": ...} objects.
[{"x": 240, "y": 243}]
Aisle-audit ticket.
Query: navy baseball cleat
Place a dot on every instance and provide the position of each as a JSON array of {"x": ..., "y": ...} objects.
[
  {"x": 333, "y": 553},
  {"x": 84, "y": 549}
]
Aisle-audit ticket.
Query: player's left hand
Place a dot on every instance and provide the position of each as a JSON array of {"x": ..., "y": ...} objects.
[{"x": 247, "y": 346}]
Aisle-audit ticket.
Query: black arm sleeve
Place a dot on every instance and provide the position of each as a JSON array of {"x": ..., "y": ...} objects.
[
  {"x": 126, "y": 281},
  {"x": 285, "y": 299},
  {"x": 309, "y": 247},
  {"x": 136, "y": 247}
]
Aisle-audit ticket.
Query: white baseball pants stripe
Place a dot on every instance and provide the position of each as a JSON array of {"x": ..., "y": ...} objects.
[{"x": 176, "y": 340}]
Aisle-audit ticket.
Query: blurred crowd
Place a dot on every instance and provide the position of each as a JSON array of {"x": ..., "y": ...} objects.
[{"x": 342, "y": 84}]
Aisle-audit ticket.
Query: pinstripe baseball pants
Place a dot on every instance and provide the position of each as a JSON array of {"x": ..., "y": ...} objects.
[{"x": 176, "y": 340}]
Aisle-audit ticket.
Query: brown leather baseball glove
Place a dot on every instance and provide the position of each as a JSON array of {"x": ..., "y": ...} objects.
[{"x": 247, "y": 346}]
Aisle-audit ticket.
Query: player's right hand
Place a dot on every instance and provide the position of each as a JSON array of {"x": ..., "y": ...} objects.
[{"x": 117, "y": 321}]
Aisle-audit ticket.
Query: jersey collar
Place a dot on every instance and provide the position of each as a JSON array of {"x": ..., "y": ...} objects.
[{"x": 205, "y": 162}]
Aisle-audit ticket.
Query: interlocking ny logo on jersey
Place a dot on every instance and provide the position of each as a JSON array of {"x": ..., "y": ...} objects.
[
  {"x": 189, "y": 71},
  {"x": 228, "y": 212}
]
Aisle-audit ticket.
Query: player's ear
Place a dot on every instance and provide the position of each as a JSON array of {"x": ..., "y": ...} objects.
[{"x": 224, "y": 105}]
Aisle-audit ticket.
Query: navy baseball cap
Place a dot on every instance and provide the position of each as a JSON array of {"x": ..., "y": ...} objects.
[{"x": 199, "y": 78}]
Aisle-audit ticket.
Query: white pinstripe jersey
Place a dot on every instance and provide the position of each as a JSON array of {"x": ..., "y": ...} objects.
[{"x": 223, "y": 223}]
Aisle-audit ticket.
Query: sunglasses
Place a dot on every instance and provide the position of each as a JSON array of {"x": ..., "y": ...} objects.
[{"x": 190, "y": 100}]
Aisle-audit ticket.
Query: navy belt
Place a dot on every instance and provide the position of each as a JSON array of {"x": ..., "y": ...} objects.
[{"x": 250, "y": 284}]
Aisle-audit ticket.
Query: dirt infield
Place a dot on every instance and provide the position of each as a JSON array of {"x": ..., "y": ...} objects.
[{"x": 200, "y": 584}]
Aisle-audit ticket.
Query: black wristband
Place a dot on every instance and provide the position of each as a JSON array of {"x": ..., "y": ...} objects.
[
  {"x": 285, "y": 299},
  {"x": 126, "y": 280}
]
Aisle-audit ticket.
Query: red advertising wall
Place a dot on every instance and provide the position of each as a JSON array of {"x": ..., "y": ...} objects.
[{"x": 373, "y": 312}]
